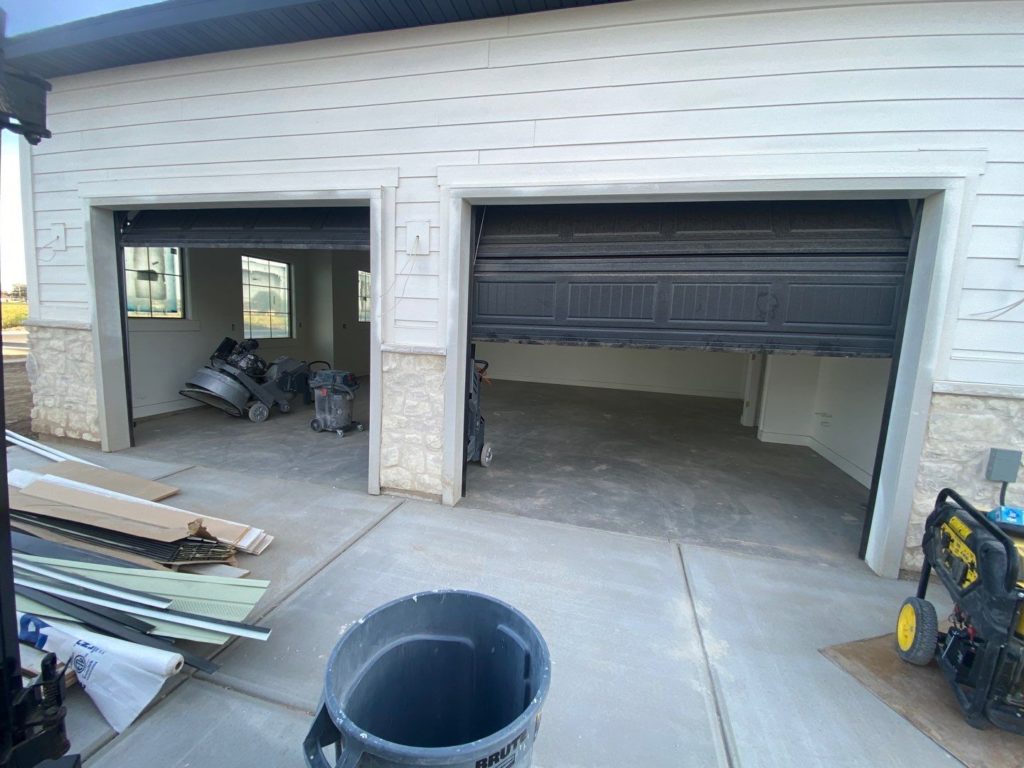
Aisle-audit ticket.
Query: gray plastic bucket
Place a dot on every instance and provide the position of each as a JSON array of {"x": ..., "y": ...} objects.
[{"x": 444, "y": 678}]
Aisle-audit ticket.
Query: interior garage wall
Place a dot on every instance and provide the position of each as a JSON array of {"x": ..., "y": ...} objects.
[
  {"x": 335, "y": 333},
  {"x": 350, "y": 348},
  {"x": 677, "y": 372},
  {"x": 165, "y": 352},
  {"x": 833, "y": 405}
]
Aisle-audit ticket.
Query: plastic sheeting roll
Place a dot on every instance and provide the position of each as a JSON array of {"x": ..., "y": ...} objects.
[{"x": 121, "y": 678}]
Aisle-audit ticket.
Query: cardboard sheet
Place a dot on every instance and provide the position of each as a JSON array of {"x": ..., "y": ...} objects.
[
  {"x": 112, "y": 480},
  {"x": 66, "y": 508},
  {"x": 922, "y": 696}
]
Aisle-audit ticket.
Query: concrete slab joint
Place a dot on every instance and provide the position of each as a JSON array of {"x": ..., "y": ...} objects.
[
  {"x": 62, "y": 376},
  {"x": 412, "y": 428},
  {"x": 961, "y": 429}
]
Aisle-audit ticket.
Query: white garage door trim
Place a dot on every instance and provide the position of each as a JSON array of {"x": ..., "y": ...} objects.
[
  {"x": 100, "y": 199},
  {"x": 945, "y": 180}
]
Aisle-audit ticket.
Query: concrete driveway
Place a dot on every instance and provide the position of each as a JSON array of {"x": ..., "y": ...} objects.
[{"x": 664, "y": 653}]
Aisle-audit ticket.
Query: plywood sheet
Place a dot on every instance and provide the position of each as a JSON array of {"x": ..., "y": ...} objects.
[
  {"x": 121, "y": 482},
  {"x": 922, "y": 696}
]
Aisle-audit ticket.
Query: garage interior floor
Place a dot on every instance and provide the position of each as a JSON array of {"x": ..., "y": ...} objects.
[
  {"x": 283, "y": 446},
  {"x": 663, "y": 653},
  {"x": 643, "y": 463}
]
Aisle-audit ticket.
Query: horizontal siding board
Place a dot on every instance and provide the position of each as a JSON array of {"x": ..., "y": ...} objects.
[
  {"x": 995, "y": 371},
  {"x": 66, "y": 293},
  {"x": 409, "y": 286},
  {"x": 1007, "y": 306},
  {"x": 997, "y": 242},
  {"x": 998, "y": 144},
  {"x": 417, "y": 265},
  {"x": 999, "y": 209},
  {"x": 63, "y": 274},
  {"x": 419, "y": 164},
  {"x": 421, "y": 310},
  {"x": 312, "y": 53},
  {"x": 997, "y": 336},
  {"x": 57, "y": 311},
  {"x": 403, "y": 140},
  {"x": 924, "y": 115},
  {"x": 649, "y": 81},
  {"x": 872, "y": 57},
  {"x": 760, "y": 29},
  {"x": 368, "y": 66},
  {"x": 818, "y": 89},
  {"x": 1003, "y": 178},
  {"x": 993, "y": 274}
]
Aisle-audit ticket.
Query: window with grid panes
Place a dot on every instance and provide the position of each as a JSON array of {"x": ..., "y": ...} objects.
[
  {"x": 266, "y": 298},
  {"x": 153, "y": 282},
  {"x": 364, "y": 297}
]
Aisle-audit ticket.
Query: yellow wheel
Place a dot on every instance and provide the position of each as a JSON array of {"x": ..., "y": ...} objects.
[{"x": 917, "y": 631}]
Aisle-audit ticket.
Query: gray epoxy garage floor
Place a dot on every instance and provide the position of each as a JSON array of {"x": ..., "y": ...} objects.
[{"x": 664, "y": 654}]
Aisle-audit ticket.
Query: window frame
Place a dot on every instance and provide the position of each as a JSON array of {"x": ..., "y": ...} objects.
[
  {"x": 184, "y": 302},
  {"x": 288, "y": 288},
  {"x": 360, "y": 298}
]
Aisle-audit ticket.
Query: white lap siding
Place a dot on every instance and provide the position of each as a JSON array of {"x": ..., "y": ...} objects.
[{"x": 636, "y": 80}]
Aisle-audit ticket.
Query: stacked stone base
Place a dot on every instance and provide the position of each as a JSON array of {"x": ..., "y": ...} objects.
[
  {"x": 62, "y": 376},
  {"x": 412, "y": 428},
  {"x": 961, "y": 429}
]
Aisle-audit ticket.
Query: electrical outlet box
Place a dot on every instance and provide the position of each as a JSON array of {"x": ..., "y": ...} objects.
[
  {"x": 1003, "y": 465},
  {"x": 417, "y": 238}
]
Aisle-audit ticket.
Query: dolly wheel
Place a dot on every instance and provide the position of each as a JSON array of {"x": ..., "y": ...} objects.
[
  {"x": 486, "y": 455},
  {"x": 917, "y": 631},
  {"x": 258, "y": 412}
]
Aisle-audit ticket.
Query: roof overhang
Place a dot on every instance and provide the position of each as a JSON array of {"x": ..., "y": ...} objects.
[{"x": 179, "y": 28}]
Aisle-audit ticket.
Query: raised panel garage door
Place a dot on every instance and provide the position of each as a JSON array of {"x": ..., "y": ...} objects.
[{"x": 820, "y": 276}]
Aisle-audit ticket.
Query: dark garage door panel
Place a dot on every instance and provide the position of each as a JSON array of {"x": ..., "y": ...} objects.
[
  {"x": 346, "y": 228},
  {"x": 805, "y": 298}
]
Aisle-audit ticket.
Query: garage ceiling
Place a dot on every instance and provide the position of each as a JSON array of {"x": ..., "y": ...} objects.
[{"x": 826, "y": 277}]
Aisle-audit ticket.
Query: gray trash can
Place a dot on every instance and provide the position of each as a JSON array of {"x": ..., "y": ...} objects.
[{"x": 446, "y": 678}]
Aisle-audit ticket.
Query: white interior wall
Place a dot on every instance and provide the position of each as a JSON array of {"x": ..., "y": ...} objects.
[
  {"x": 350, "y": 349},
  {"x": 164, "y": 353},
  {"x": 679, "y": 372},
  {"x": 832, "y": 405}
]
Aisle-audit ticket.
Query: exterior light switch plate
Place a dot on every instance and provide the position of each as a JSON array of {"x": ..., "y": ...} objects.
[
  {"x": 417, "y": 238},
  {"x": 1003, "y": 465}
]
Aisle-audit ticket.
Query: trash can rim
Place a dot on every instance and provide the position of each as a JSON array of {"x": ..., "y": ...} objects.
[{"x": 373, "y": 743}]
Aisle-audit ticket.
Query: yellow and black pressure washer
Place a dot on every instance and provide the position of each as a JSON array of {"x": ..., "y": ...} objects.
[{"x": 982, "y": 651}]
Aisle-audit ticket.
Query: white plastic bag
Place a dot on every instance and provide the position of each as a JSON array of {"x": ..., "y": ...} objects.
[{"x": 121, "y": 678}]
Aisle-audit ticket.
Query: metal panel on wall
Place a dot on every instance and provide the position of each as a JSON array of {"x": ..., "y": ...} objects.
[{"x": 825, "y": 277}]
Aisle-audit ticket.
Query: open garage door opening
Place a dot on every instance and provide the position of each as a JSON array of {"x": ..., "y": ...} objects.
[
  {"x": 717, "y": 372},
  {"x": 290, "y": 287}
]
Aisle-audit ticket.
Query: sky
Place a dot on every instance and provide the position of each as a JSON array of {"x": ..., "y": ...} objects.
[{"x": 27, "y": 16}]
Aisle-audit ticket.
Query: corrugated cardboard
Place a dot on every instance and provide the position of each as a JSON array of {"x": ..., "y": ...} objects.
[
  {"x": 73, "y": 505},
  {"x": 112, "y": 480}
]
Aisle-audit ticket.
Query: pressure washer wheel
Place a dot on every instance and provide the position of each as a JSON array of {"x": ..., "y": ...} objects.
[
  {"x": 258, "y": 412},
  {"x": 316, "y": 425},
  {"x": 284, "y": 407},
  {"x": 917, "y": 631},
  {"x": 486, "y": 455}
]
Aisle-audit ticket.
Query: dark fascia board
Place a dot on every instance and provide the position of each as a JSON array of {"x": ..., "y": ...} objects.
[
  {"x": 132, "y": 21},
  {"x": 106, "y": 41}
]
